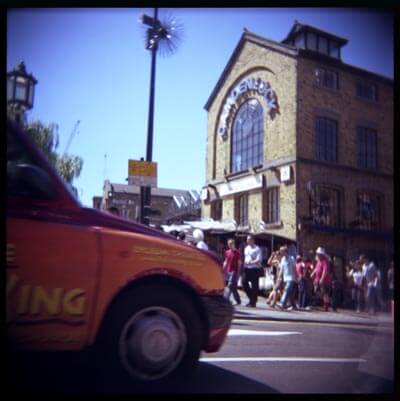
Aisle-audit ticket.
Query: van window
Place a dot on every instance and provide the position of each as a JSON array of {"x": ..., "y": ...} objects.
[{"x": 25, "y": 177}]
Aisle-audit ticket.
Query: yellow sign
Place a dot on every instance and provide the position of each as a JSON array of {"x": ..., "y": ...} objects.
[{"x": 142, "y": 168}]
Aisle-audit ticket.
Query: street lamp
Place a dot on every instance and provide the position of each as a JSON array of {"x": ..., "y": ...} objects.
[
  {"x": 166, "y": 36},
  {"x": 20, "y": 90}
]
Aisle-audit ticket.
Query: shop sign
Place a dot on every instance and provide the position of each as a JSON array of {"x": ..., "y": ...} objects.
[
  {"x": 246, "y": 86},
  {"x": 142, "y": 173},
  {"x": 285, "y": 173},
  {"x": 241, "y": 185}
]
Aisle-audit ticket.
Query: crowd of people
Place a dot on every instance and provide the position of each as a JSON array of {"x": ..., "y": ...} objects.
[
  {"x": 299, "y": 282},
  {"x": 296, "y": 281}
]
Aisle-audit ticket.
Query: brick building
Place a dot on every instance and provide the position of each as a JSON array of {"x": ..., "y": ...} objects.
[
  {"x": 300, "y": 147},
  {"x": 173, "y": 205}
]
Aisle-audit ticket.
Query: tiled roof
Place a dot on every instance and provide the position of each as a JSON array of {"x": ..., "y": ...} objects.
[{"x": 135, "y": 189}]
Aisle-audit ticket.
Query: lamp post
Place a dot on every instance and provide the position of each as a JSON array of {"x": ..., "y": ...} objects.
[
  {"x": 156, "y": 34},
  {"x": 20, "y": 91}
]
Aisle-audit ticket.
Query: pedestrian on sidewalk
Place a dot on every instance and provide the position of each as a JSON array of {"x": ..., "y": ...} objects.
[
  {"x": 335, "y": 286},
  {"x": 232, "y": 267},
  {"x": 322, "y": 277},
  {"x": 275, "y": 295},
  {"x": 198, "y": 237},
  {"x": 273, "y": 262},
  {"x": 371, "y": 279},
  {"x": 357, "y": 278},
  {"x": 379, "y": 298},
  {"x": 309, "y": 284},
  {"x": 301, "y": 281},
  {"x": 251, "y": 271},
  {"x": 390, "y": 279},
  {"x": 288, "y": 275}
]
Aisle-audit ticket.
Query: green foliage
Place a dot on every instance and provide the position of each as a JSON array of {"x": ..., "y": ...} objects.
[{"x": 47, "y": 138}]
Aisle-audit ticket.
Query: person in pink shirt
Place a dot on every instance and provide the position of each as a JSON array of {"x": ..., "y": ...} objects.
[
  {"x": 322, "y": 276},
  {"x": 301, "y": 280}
]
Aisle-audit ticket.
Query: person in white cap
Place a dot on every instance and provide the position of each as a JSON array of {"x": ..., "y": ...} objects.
[
  {"x": 322, "y": 276},
  {"x": 199, "y": 239}
]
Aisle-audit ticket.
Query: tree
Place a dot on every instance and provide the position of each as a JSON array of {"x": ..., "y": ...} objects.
[{"x": 46, "y": 137}]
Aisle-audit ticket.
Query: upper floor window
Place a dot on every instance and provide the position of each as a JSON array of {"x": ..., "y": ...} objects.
[
  {"x": 327, "y": 78},
  {"x": 311, "y": 41},
  {"x": 247, "y": 136},
  {"x": 325, "y": 139},
  {"x": 366, "y": 146},
  {"x": 325, "y": 205},
  {"x": 367, "y": 90},
  {"x": 299, "y": 41},
  {"x": 322, "y": 45},
  {"x": 316, "y": 41},
  {"x": 334, "y": 49},
  {"x": 271, "y": 212},
  {"x": 242, "y": 209},
  {"x": 216, "y": 209},
  {"x": 368, "y": 206}
]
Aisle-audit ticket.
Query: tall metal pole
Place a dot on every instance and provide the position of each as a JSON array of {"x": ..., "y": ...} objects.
[
  {"x": 149, "y": 149},
  {"x": 145, "y": 192}
]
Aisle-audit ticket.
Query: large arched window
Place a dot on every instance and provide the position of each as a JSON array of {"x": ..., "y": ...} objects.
[{"x": 247, "y": 136}]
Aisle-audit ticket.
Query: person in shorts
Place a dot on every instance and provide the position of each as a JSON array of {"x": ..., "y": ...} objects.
[{"x": 323, "y": 277}]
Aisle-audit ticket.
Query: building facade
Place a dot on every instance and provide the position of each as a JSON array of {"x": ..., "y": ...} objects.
[
  {"x": 300, "y": 147},
  {"x": 171, "y": 205}
]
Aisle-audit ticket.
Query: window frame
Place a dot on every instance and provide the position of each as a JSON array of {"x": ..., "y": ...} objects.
[
  {"x": 362, "y": 85},
  {"x": 368, "y": 224},
  {"x": 324, "y": 138},
  {"x": 367, "y": 148},
  {"x": 249, "y": 148},
  {"x": 309, "y": 34},
  {"x": 301, "y": 37},
  {"x": 334, "y": 218},
  {"x": 323, "y": 80},
  {"x": 319, "y": 47},
  {"x": 216, "y": 209},
  {"x": 241, "y": 202},
  {"x": 271, "y": 205}
]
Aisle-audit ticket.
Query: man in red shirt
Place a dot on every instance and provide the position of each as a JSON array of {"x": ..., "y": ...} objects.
[
  {"x": 322, "y": 276},
  {"x": 232, "y": 266}
]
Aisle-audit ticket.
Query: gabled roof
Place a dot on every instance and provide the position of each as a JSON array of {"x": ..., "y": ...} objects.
[
  {"x": 287, "y": 49},
  {"x": 251, "y": 37}
]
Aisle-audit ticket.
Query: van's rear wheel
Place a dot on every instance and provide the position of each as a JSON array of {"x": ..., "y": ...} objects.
[{"x": 152, "y": 335}]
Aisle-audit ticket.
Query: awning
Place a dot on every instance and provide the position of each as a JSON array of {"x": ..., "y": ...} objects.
[
  {"x": 176, "y": 227},
  {"x": 206, "y": 225}
]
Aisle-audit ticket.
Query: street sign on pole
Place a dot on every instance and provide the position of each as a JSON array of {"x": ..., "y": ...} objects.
[{"x": 142, "y": 173}]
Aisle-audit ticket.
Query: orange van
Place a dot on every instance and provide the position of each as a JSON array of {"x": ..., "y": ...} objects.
[{"x": 143, "y": 303}]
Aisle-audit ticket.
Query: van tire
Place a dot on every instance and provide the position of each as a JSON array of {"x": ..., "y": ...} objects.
[{"x": 169, "y": 330}]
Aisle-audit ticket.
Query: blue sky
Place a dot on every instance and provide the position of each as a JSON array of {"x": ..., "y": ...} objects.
[{"x": 91, "y": 65}]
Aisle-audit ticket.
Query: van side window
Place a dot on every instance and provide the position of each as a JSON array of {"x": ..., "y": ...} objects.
[{"x": 25, "y": 178}]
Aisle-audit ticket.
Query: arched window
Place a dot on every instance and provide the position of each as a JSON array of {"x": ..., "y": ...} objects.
[{"x": 247, "y": 136}]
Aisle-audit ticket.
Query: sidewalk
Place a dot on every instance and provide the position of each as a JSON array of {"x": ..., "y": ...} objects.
[{"x": 317, "y": 314}]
